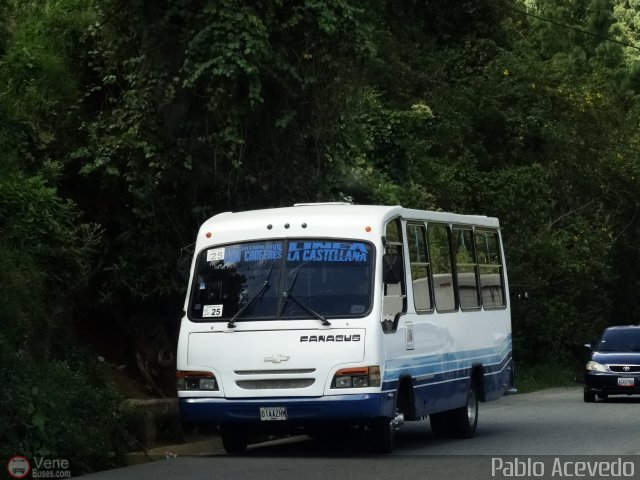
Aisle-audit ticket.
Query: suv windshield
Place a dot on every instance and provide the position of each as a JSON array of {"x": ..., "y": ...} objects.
[
  {"x": 280, "y": 279},
  {"x": 620, "y": 340}
]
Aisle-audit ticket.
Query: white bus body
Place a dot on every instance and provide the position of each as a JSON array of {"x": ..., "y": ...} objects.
[{"x": 344, "y": 315}]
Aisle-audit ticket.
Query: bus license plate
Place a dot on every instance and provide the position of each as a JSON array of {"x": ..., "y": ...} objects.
[
  {"x": 625, "y": 382},
  {"x": 271, "y": 414}
]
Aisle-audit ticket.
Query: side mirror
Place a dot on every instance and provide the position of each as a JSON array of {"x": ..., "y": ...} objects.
[{"x": 392, "y": 271}]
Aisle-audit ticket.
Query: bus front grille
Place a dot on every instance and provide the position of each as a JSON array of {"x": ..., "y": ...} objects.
[
  {"x": 275, "y": 383},
  {"x": 291, "y": 371}
]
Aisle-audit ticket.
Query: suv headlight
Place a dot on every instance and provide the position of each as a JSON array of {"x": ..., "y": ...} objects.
[{"x": 596, "y": 367}]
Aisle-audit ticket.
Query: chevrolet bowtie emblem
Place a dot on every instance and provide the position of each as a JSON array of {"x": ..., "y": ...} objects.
[{"x": 277, "y": 358}]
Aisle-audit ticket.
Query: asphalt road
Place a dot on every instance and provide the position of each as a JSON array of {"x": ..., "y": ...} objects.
[{"x": 542, "y": 434}]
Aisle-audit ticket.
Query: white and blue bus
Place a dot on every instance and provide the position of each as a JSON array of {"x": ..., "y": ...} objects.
[{"x": 329, "y": 316}]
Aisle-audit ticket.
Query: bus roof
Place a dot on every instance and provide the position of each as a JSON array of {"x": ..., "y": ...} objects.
[{"x": 321, "y": 220}]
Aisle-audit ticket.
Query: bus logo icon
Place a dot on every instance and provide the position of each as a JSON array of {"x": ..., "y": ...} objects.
[
  {"x": 18, "y": 467},
  {"x": 277, "y": 358}
]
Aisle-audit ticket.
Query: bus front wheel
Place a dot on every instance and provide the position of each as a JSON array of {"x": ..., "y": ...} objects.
[
  {"x": 234, "y": 438},
  {"x": 382, "y": 434}
]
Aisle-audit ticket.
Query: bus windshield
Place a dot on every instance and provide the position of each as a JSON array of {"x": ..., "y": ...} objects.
[{"x": 283, "y": 279}]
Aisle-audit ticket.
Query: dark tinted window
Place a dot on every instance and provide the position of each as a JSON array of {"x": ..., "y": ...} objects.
[
  {"x": 227, "y": 277},
  {"x": 620, "y": 340},
  {"x": 332, "y": 277}
]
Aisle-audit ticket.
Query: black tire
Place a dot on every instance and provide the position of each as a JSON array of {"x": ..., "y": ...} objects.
[
  {"x": 459, "y": 422},
  {"x": 382, "y": 434},
  {"x": 589, "y": 397},
  {"x": 235, "y": 438},
  {"x": 464, "y": 420}
]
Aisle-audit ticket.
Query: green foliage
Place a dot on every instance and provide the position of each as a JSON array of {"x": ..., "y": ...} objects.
[
  {"x": 35, "y": 219},
  {"x": 381, "y": 148},
  {"x": 206, "y": 125},
  {"x": 549, "y": 375},
  {"x": 38, "y": 81},
  {"x": 58, "y": 409},
  {"x": 44, "y": 249},
  {"x": 21, "y": 312},
  {"x": 564, "y": 35},
  {"x": 56, "y": 404}
]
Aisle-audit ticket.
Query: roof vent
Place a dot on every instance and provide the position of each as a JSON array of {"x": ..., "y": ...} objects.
[{"x": 320, "y": 204}]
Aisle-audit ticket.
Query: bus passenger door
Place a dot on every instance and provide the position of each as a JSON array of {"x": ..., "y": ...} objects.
[{"x": 394, "y": 300}]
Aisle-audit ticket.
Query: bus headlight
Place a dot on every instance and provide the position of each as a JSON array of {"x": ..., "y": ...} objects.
[
  {"x": 359, "y": 377},
  {"x": 198, "y": 381}
]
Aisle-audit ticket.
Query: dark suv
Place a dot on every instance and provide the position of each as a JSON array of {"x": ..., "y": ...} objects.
[{"x": 614, "y": 366}]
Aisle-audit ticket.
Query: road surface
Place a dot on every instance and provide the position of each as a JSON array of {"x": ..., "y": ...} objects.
[{"x": 546, "y": 434}]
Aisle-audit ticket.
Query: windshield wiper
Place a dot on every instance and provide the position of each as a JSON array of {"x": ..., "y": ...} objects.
[
  {"x": 306, "y": 308},
  {"x": 254, "y": 297},
  {"x": 286, "y": 294}
]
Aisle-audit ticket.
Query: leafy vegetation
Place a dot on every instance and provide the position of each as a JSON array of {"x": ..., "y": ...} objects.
[
  {"x": 123, "y": 125},
  {"x": 537, "y": 377}
]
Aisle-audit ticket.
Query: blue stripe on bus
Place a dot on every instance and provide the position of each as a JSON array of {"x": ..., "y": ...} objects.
[
  {"x": 447, "y": 366},
  {"x": 438, "y": 390}
]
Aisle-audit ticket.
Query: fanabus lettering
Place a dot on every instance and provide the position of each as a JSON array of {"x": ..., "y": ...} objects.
[{"x": 329, "y": 338}]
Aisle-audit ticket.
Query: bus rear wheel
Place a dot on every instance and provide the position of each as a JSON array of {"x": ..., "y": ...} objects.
[
  {"x": 234, "y": 438},
  {"x": 464, "y": 420},
  {"x": 459, "y": 422}
]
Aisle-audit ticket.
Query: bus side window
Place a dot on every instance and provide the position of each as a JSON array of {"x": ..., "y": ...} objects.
[
  {"x": 466, "y": 267},
  {"x": 490, "y": 266},
  {"x": 439, "y": 240},
  {"x": 394, "y": 300},
  {"x": 420, "y": 268}
]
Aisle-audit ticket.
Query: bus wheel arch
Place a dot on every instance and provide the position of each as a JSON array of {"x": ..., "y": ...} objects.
[
  {"x": 405, "y": 402},
  {"x": 477, "y": 380}
]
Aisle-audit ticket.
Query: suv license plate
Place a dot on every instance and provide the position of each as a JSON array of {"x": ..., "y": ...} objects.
[
  {"x": 271, "y": 414},
  {"x": 625, "y": 382}
]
